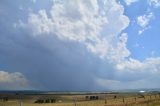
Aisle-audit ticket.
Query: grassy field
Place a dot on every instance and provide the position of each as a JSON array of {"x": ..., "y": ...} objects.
[{"x": 122, "y": 99}]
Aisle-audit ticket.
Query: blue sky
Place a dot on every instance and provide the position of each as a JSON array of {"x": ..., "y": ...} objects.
[
  {"x": 149, "y": 36},
  {"x": 79, "y": 45}
]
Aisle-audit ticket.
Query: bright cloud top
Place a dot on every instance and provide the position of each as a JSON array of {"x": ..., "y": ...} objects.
[{"x": 85, "y": 22}]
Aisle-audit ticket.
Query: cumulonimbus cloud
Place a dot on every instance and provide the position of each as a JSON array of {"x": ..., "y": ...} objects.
[{"x": 98, "y": 25}]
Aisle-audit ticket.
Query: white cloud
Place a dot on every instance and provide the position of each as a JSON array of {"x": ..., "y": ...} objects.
[
  {"x": 143, "y": 21},
  {"x": 142, "y": 30},
  {"x": 14, "y": 80},
  {"x": 100, "y": 48},
  {"x": 72, "y": 20},
  {"x": 151, "y": 65},
  {"x": 121, "y": 51},
  {"x": 129, "y": 2},
  {"x": 154, "y": 3}
]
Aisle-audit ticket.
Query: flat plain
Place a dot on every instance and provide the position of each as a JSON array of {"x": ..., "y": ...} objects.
[{"x": 80, "y": 99}]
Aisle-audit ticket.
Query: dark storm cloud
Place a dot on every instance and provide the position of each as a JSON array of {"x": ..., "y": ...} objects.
[{"x": 64, "y": 66}]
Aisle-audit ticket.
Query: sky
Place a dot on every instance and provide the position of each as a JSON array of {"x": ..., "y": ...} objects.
[{"x": 79, "y": 45}]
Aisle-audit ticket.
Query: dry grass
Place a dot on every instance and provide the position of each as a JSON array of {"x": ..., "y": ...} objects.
[{"x": 127, "y": 101}]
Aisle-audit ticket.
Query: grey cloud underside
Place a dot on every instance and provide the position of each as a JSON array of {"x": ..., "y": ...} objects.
[
  {"x": 51, "y": 63},
  {"x": 57, "y": 69}
]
